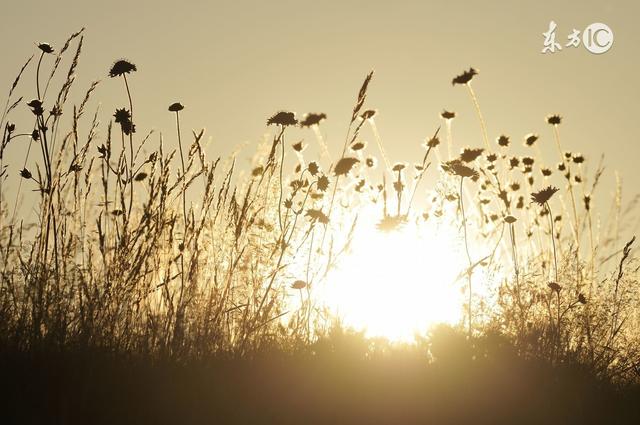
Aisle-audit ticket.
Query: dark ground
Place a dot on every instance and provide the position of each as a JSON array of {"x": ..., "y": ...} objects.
[{"x": 336, "y": 385}]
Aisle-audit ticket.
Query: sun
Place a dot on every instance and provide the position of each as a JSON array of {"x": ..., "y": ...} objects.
[{"x": 400, "y": 283}]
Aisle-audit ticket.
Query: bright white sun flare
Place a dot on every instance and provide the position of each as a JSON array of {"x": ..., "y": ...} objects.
[{"x": 396, "y": 284}]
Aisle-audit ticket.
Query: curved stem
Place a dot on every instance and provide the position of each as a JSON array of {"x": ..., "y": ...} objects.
[
  {"x": 553, "y": 241},
  {"x": 485, "y": 137},
  {"x": 38, "y": 74},
  {"x": 466, "y": 247}
]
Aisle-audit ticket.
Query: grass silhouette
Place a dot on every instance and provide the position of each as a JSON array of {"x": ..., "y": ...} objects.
[{"x": 127, "y": 292}]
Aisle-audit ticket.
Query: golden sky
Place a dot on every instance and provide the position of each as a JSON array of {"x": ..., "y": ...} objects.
[{"x": 233, "y": 64}]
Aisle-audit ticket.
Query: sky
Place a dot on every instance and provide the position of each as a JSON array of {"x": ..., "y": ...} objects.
[{"x": 233, "y": 64}]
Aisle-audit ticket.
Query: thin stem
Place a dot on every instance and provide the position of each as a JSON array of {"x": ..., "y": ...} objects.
[
  {"x": 553, "y": 240},
  {"x": 376, "y": 135},
  {"x": 131, "y": 166},
  {"x": 466, "y": 247},
  {"x": 575, "y": 229},
  {"x": 184, "y": 196},
  {"x": 38, "y": 74},
  {"x": 485, "y": 137}
]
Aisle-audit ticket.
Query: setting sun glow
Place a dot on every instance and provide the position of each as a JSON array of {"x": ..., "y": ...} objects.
[{"x": 396, "y": 284}]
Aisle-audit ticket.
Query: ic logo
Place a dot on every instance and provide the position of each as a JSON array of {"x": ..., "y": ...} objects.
[{"x": 597, "y": 38}]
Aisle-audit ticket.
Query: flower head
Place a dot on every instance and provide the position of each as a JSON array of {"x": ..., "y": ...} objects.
[
  {"x": 313, "y": 168},
  {"x": 398, "y": 167},
  {"x": 503, "y": 141},
  {"x": 36, "y": 107},
  {"x": 358, "y": 146},
  {"x": 470, "y": 155},
  {"x": 457, "y": 168},
  {"x": 121, "y": 67},
  {"x": 530, "y": 139},
  {"x": 283, "y": 118},
  {"x": 176, "y": 107},
  {"x": 432, "y": 142},
  {"x": 368, "y": 114},
  {"x": 45, "y": 47},
  {"x": 448, "y": 115},
  {"x": 26, "y": 174},
  {"x": 123, "y": 117},
  {"x": 323, "y": 183},
  {"x": 312, "y": 119},
  {"x": 298, "y": 146},
  {"x": 542, "y": 197},
  {"x": 554, "y": 119},
  {"x": 465, "y": 77}
]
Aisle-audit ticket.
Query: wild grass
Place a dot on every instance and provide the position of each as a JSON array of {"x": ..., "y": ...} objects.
[{"x": 143, "y": 249}]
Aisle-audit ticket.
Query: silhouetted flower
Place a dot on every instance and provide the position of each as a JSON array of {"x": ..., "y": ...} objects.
[
  {"x": 448, "y": 115},
  {"x": 311, "y": 119},
  {"x": 283, "y": 118},
  {"x": 368, "y": 114},
  {"x": 514, "y": 162},
  {"x": 399, "y": 167},
  {"x": 121, "y": 67},
  {"x": 299, "y": 284},
  {"x": 35, "y": 135},
  {"x": 530, "y": 139},
  {"x": 323, "y": 183},
  {"x": 492, "y": 157},
  {"x": 45, "y": 47},
  {"x": 25, "y": 173},
  {"x": 317, "y": 215},
  {"x": 469, "y": 155},
  {"x": 465, "y": 77},
  {"x": 176, "y": 107},
  {"x": 36, "y": 107},
  {"x": 123, "y": 117},
  {"x": 298, "y": 147},
  {"x": 370, "y": 162},
  {"x": 561, "y": 166},
  {"x": 344, "y": 165},
  {"x": 578, "y": 158},
  {"x": 554, "y": 119},
  {"x": 528, "y": 161},
  {"x": 357, "y": 146},
  {"x": 503, "y": 141},
  {"x": 515, "y": 186},
  {"x": 542, "y": 197},
  {"x": 582, "y": 299},
  {"x": 457, "y": 168},
  {"x": 546, "y": 172},
  {"x": 432, "y": 142},
  {"x": 313, "y": 168}
]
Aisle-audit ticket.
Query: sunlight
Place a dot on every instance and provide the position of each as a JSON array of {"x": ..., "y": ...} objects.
[{"x": 396, "y": 284}]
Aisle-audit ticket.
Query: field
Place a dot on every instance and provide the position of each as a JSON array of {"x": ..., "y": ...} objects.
[{"x": 319, "y": 282}]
